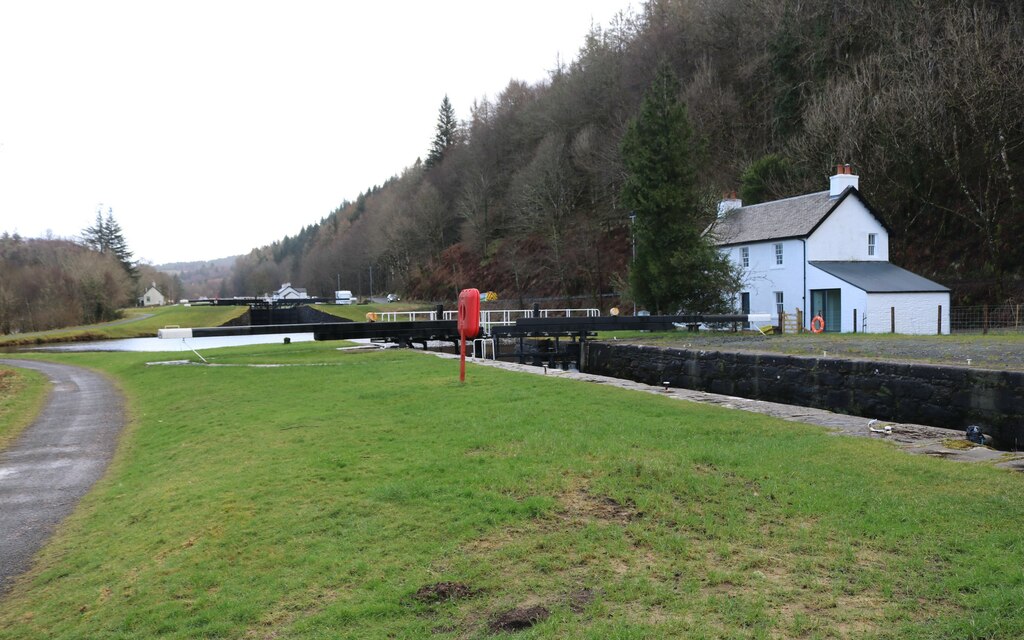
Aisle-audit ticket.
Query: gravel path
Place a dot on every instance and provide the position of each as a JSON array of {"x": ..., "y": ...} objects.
[{"x": 54, "y": 461}]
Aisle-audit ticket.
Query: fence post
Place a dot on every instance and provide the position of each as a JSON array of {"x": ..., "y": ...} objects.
[
  {"x": 855, "y": 321},
  {"x": 799, "y": 320},
  {"x": 892, "y": 319},
  {"x": 939, "y": 332},
  {"x": 984, "y": 319},
  {"x": 782, "y": 322}
]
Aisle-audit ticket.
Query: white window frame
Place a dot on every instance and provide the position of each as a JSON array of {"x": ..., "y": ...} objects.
[
  {"x": 778, "y": 254},
  {"x": 872, "y": 243},
  {"x": 780, "y": 304},
  {"x": 745, "y": 257}
]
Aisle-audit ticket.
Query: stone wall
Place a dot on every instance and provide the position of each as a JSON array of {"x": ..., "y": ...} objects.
[{"x": 941, "y": 396}]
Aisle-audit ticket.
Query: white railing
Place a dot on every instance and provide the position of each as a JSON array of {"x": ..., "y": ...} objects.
[
  {"x": 406, "y": 316},
  {"x": 480, "y": 346},
  {"x": 570, "y": 313},
  {"x": 507, "y": 317}
]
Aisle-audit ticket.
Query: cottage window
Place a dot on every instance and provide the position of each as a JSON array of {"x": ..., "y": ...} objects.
[
  {"x": 872, "y": 238},
  {"x": 780, "y": 306},
  {"x": 778, "y": 253},
  {"x": 745, "y": 256}
]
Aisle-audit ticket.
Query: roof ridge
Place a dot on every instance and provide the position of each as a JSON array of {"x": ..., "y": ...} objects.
[{"x": 761, "y": 204}]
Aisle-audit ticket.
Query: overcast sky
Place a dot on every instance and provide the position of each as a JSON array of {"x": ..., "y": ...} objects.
[{"x": 213, "y": 127}]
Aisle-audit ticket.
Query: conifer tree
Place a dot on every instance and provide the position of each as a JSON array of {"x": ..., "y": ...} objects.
[
  {"x": 676, "y": 267},
  {"x": 447, "y": 130},
  {"x": 106, "y": 237}
]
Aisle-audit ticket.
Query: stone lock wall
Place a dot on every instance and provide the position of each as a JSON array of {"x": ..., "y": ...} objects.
[{"x": 941, "y": 396}]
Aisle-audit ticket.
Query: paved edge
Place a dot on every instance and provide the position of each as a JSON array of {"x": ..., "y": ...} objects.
[
  {"x": 55, "y": 461},
  {"x": 913, "y": 438}
]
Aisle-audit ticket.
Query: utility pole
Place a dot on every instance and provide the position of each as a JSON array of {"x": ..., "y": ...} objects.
[{"x": 632, "y": 236}]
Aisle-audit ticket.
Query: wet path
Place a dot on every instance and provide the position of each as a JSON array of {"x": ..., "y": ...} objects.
[{"x": 55, "y": 461}]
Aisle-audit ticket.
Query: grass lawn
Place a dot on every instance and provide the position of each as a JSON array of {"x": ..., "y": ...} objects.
[
  {"x": 137, "y": 323},
  {"x": 996, "y": 350},
  {"x": 357, "y": 312},
  {"x": 22, "y": 393},
  {"x": 370, "y": 495}
]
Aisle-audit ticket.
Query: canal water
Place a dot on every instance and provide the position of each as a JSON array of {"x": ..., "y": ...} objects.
[{"x": 168, "y": 344}]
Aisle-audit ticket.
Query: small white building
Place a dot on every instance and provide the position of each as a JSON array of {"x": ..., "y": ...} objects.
[
  {"x": 288, "y": 292},
  {"x": 826, "y": 253},
  {"x": 152, "y": 297}
]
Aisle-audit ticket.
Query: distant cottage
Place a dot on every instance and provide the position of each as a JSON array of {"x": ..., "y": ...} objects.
[
  {"x": 827, "y": 252},
  {"x": 288, "y": 292},
  {"x": 152, "y": 297}
]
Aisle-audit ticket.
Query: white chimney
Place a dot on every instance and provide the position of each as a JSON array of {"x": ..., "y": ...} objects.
[
  {"x": 844, "y": 178},
  {"x": 728, "y": 203}
]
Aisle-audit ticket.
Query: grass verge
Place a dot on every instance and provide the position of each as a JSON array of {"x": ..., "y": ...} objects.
[
  {"x": 22, "y": 393},
  {"x": 370, "y": 495}
]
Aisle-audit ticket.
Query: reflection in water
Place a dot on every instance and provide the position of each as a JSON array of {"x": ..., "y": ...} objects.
[{"x": 158, "y": 344}]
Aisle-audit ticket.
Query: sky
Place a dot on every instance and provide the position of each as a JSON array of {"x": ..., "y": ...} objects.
[{"x": 212, "y": 127}]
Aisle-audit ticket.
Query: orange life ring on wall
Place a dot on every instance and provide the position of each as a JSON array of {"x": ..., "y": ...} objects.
[{"x": 817, "y": 324}]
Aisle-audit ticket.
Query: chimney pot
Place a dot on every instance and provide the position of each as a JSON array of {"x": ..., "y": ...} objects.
[
  {"x": 843, "y": 179},
  {"x": 728, "y": 203}
]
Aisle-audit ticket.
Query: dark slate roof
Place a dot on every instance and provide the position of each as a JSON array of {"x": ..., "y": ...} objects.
[
  {"x": 795, "y": 217},
  {"x": 788, "y": 218},
  {"x": 877, "y": 276}
]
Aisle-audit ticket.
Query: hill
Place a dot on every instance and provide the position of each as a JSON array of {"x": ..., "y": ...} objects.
[
  {"x": 205, "y": 278},
  {"x": 923, "y": 99}
]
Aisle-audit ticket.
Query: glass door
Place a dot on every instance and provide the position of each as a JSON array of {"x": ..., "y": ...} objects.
[{"x": 827, "y": 303}]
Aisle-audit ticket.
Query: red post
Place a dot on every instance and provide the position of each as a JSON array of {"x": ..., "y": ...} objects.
[
  {"x": 462, "y": 356},
  {"x": 468, "y": 323}
]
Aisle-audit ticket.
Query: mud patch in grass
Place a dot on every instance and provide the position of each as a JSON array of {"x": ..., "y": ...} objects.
[
  {"x": 443, "y": 592},
  {"x": 519, "y": 619}
]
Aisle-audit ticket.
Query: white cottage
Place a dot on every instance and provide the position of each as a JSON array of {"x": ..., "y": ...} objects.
[
  {"x": 828, "y": 253},
  {"x": 152, "y": 297},
  {"x": 288, "y": 292}
]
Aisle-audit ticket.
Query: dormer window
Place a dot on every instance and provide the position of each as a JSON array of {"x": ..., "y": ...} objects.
[{"x": 872, "y": 241}]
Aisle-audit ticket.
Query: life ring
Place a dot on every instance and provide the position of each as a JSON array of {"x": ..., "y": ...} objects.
[{"x": 817, "y": 324}]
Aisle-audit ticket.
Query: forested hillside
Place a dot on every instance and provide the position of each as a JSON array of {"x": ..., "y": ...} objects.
[
  {"x": 45, "y": 284},
  {"x": 50, "y": 283},
  {"x": 924, "y": 98}
]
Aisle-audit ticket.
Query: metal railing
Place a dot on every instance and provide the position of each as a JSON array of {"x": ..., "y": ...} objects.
[
  {"x": 407, "y": 316},
  {"x": 507, "y": 317},
  {"x": 985, "y": 318}
]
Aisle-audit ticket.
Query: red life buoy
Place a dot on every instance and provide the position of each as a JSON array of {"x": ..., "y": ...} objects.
[
  {"x": 469, "y": 313},
  {"x": 468, "y": 324},
  {"x": 817, "y": 324}
]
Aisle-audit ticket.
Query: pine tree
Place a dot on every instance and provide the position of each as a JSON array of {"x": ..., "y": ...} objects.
[
  {"x": 447, "y": 130},
  {"x": 95, "y": 237},
  {"x": 106, "y": 237},
  {"x": 676, "y": 268}
]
